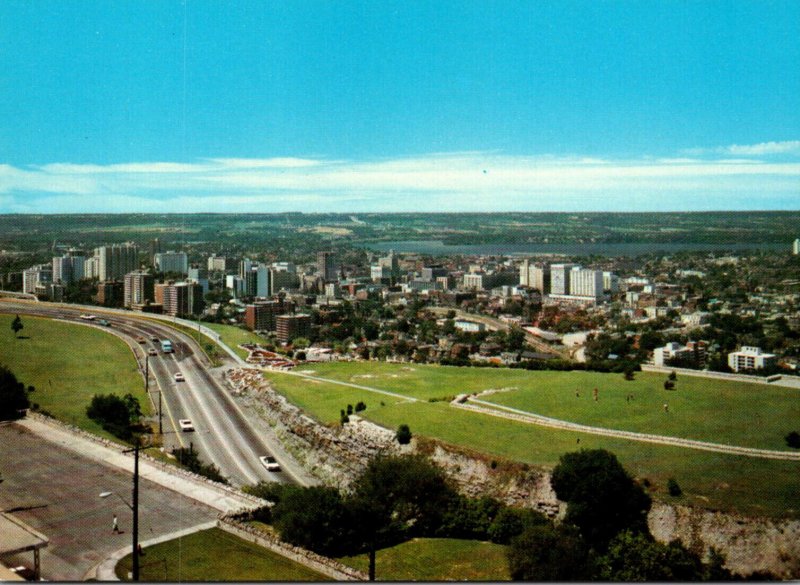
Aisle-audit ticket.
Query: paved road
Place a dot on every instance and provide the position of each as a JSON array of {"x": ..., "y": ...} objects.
[
  {"x": 223, "y": 434},
  {"x": 58, "y": 489}
]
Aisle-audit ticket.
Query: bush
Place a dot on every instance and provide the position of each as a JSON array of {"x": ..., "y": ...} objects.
[
  {"x": 469, "y": 518},
  {"x": 673, "y": 488},
  {"x": 511, "y": 522},
  {"x": 190, "y": 459},
  {"x": 669, "y": 385},
  {"x": 793, "y": 440},
  {"x": 360, "y": 406},
  {"x": 547, "y": 553},
  {"x": 403, "y": 435}
]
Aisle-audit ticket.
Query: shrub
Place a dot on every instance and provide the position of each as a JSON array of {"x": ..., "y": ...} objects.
[
  {"x": 403, "y": 435},
  {"x": 511, "y": 522},
  {"x": 673, "y": 488},
  {"x": 360, "y": 406},
  {"x": 793, "y": 440}
]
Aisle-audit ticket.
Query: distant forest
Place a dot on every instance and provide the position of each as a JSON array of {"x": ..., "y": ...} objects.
[{"x": 299, "y": 235}]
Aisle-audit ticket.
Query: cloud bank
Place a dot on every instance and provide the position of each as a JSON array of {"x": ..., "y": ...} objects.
[{"x": 470, "y": 181}]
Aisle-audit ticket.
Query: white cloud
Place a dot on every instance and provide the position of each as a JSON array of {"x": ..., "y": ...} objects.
[
  {"x": 765, "y": 148},
  {"x": 444, "y": 181}
]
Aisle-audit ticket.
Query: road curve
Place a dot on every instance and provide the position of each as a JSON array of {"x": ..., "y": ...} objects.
[{"x": 223, "y": 435}]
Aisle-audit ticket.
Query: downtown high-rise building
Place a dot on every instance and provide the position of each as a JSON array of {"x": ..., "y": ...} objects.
[
  {"x": 585, "y": 282},
  {"x": 68, "y": 269},
  {"x": 114, "y": 262},
  {"x": 327, "y": 267},
  {"x": 560, "y": 278},
  {"x": 176, "y": 262},
  {"x": 139, "y": 288}
]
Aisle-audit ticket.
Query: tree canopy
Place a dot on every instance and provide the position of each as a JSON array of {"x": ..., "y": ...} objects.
[
  {"x": 602, "y": 499},
  {"x": 13, "y": 395}
]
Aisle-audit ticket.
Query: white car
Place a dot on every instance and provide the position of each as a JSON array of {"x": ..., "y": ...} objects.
[
  {"x": 269, "y": 462},
  {"x": 179, "y": 377},
  {"x": 186, "y": 425}
]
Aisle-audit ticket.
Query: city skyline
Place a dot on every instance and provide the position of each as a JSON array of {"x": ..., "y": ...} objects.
[{"x": 602, "y": 106}]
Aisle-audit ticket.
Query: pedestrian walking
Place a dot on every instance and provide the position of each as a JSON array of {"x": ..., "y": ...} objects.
[
  {"x": 595, "y": 394},
  {"x": 115, "y": 525},
  {"x": 666, "y": 407}
]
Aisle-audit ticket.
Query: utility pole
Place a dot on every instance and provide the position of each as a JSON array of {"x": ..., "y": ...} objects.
[
  {"x": 160, "y": 427},
  {"x": 135, "y": 569}
]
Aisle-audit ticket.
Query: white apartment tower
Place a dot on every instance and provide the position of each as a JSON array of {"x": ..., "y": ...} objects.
[
  {"x": 171, "y": 262},
  {"x": 584, "y": 282},
  {"x": 560, "y": 279}
]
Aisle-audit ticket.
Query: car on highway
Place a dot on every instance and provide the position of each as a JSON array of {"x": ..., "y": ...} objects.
[
  {"x": 154, "y": 339},
  {"x": 152, "y": 352},
  {"x": 269, "y": 462},
  {"x": 186, "y": 425},
  {"x": 140, "y": 340},
  {"x": 179, "y": 377}
]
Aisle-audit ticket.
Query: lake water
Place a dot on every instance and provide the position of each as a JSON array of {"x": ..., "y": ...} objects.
[{"x": 437, "y": 248}]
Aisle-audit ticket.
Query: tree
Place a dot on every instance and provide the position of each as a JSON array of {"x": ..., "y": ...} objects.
[
  {"x": 13, "y": 396},
  {"x": 546, "y": 553},
  {"x": 602, "y": 499},
  {"x": 511, "y": 522},
  {"x": 315, "y": 518},
  {"x": 403, "y": 434},
  {"x": 17, "y": 326},
  {"x": 637, "y": 557},
  {"x": 115, "y": 414}
]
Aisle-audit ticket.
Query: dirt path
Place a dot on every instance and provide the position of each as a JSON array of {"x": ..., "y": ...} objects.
[{"x": 509, "y": 413}]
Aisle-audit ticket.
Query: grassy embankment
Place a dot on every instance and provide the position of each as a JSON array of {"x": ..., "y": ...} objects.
[
  {"x": 724, "y": 482},
  {"x": 232, "y": 336},
  {"x": 437, "y": 559},
  {"x": 215, "y": 555},
  {"x": 68, "y": 364}
]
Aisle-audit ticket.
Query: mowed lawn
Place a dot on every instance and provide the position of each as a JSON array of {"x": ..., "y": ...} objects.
[
  {"x": 721, "y": 411},
  {"x": 232, "y": 336},
  {"x": 68, "y": 364},
  {"x": 437, "y": 559},
  {"x": 711, "y": 480},
  {"x": 214, "y": 555}
]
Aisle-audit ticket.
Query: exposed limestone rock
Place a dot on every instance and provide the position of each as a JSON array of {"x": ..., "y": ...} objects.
[{"x": 337, "y": 454}]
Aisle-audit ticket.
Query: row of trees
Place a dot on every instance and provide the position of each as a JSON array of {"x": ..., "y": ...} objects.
[{"x": 604, "y": 535}]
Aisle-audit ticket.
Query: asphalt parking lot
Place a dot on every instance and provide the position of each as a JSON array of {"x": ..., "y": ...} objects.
[{"x": 57, "y": 492}]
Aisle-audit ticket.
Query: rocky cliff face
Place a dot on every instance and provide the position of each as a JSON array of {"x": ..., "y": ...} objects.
[{"x": 336, "y": 454}]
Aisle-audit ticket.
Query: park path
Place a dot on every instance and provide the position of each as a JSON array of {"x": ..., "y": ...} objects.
[
  {"x": 490, "y": 409},
  {"x": 402, "y": 397},
  {"x": 509, "y": 413}
]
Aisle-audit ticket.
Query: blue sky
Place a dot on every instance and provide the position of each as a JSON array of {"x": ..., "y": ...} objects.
[{"x": 371, "y": 106}]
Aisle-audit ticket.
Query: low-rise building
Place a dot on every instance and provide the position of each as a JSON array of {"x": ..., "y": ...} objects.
[{"x": 750, "y": 358}]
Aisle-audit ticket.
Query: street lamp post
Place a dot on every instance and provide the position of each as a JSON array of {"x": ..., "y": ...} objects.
[{"x": 134, "y": 508}]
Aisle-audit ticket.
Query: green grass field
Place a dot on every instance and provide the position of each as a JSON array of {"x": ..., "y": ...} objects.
[
  {"x": 68, "y": 364},
  {"x": 232, "y": 336},
  {"x": 437, "y": 559},
  {"x": 711, "y": 480},
  {"x": 214, "y": 555},
  {"x": 737, "y": 413}
]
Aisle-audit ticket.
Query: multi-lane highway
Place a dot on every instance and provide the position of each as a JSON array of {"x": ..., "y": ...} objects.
[{"x": 222, "y": 435}]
